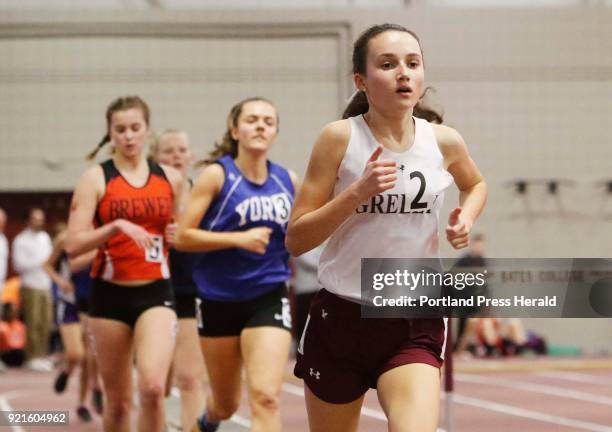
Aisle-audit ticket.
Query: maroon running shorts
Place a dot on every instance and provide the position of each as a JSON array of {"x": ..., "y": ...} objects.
[{"x": 341, "y": 355}]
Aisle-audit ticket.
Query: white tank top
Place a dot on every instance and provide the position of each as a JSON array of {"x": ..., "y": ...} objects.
[{"x": 400, "y": 223}]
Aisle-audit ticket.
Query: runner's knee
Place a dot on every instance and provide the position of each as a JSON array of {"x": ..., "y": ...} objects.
[{"x": 264, "y": 397}]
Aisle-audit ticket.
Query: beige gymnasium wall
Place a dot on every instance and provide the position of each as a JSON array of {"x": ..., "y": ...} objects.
[{"x": 530, "y": 91}]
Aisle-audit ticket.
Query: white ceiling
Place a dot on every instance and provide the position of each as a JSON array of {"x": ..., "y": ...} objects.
[{"x": 207, "y": 4}]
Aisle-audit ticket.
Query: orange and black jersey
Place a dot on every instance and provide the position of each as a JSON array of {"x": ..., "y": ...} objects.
[{"x": 151, "y": 207}]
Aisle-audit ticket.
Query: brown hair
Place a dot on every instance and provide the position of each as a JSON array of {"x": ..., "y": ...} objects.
[
  {"x": 228, "y": 145},
  {"x": 358, "y": 104},
  {"x": 120, "y": 104}
]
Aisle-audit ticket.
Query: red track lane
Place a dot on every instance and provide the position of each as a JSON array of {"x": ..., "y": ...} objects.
[
  {"x": 31, "y": 391},
  {"x": 500, "y": 402},
  {"x": 560, "y": 405}
]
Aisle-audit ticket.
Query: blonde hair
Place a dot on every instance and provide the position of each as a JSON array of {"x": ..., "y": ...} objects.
[{"x": 155, "y": 139}]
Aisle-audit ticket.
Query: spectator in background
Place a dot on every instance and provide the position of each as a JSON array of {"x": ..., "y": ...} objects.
[
  {"x": 475, "y": 260},
  {"x": 306, "y": 285},
  {"x": 31, "y": 249},
  {"x": 3, "y": 262},
  {"x": 494, "y": 337},
  {"x": 3, "y": 250},
  {"x": 10, "y": 294},
  {"x": 12, "y": 337}
]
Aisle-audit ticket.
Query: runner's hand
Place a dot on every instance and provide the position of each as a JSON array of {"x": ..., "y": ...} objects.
[
  {"x": 66, "y": 286},
  {"x": 255, "y": 240},
  {"x": 458, "y": 230},
  {"x": 138, "y": 234},
  {"x": 378, "y": 175}
]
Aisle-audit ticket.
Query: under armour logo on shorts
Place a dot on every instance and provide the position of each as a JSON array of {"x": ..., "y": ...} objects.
[
  {"x": 324, "y": 314},
  {"x": 315, "y": 374}
]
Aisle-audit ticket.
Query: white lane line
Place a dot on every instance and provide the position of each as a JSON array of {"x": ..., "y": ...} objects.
[
  {"x": 293, "y": 389},
  {"x": 536, "y": 388},
  {"x": 14, "y": 394},
  {"x": 239, "y": 420},
  {"x": 373, "y": 413},
  {"x": 6, "y": 406},
  {"x": 532, "y": 415},
  {"x": 368, "y": 412},
  {"x": 492, "y": 406},
  {"x": 576, "y": 377}
]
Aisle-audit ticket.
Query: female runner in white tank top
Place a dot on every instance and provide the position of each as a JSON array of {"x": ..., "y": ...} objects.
[{"x": 374, "y": 187}]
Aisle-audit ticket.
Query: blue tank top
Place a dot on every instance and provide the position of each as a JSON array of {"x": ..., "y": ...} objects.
[
  {"x": 237, "y": 274},
  {"x": 81, "y": 280},
  {"x": 82, "y": 283}
]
